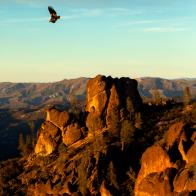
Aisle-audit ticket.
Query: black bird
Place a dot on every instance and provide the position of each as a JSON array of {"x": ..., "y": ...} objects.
[{"x": 53, "y": 14}]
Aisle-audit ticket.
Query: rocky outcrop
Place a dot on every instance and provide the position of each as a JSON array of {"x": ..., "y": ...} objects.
[
  {"x": 169, "y": 167},
  {"x": 49, "y": 136},
  {"x": 104, "y": 191},
  {"x": 106, "y": 97},
  {"x": 156, "y": 184},
  {"x": 154, "y": 160},
  {"x": 185, "y": 180},
  {"x": 173, "y": 134},
  {"x": 71, "y": 134},
  {"x": 56, "y": 117},
  {"x": 191, "y": 154}
]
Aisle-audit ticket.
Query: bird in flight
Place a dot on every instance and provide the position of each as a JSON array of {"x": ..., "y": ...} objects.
[{"x": 53, "y": 14}]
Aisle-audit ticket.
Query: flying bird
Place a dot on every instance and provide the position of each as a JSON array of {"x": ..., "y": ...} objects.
[{"x": 53, "y": 14}]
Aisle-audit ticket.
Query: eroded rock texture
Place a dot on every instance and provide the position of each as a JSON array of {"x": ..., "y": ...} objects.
[
  {"x": 107, "y": 98},
  {"x": 108, "y": 101},
  {"x": 169, "y": 167}
]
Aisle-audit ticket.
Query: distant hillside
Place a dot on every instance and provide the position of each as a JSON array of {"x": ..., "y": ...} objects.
[
  {"x": 27, "y": 95},
  {"x": 30, "y": 95},
  {"x": 22, "y": 104},
  {"x": 166, "y": 88}
]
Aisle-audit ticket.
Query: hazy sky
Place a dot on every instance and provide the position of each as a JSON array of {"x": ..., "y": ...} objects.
[{"x": 131, "y": 38}]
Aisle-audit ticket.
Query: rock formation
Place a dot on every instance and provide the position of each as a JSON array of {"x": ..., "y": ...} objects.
[
  {"x": 106, "y": 99},
  {"x": 169, "y": 167},
  {"x": 98, "y": 151},
  {"x": 48, "y": 139},
  {"x": 72, "y": 134}
]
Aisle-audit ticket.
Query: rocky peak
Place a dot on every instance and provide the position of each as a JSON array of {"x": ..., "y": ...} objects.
[
  {"x": 107, "y": 100},
  {"x": 107, "y": 97}
]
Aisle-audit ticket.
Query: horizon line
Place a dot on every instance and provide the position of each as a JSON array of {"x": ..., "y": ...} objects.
[{"x": 85, "y": 77}]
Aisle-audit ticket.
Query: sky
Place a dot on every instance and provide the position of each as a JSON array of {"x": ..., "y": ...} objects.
[{"x": 132, "y": 38}]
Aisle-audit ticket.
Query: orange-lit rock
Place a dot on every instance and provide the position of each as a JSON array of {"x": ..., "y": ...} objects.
[
  {"x": 191, "y": 154},
  {"x": 154, "y": 160},
  {"x": 104, "y": 191},
  {"x": 106, "y": 97},
  {"x": 59, "y": 119},
  {"x": 96, "y": 94},
  {"x": 155, "y": 184},
  {"x": 174, "y": 133},
  {"x": 185, "y": 180},
  {"x": 49, "y": 136},
  {"x": 72, "y": 134}
]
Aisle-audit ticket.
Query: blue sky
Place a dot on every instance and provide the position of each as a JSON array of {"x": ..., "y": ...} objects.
[{"x": 120, "y": 38}]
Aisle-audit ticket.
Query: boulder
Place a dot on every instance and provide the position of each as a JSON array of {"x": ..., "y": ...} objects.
[
  {"x": 154, "y": 160},
  {"x": 156, "y": 184},
  {"x": 173, "y": 134},
  {"x": 191, "y": 154},
  {"x": 72, "y": 134},
  {"x": 185, "y": 180},
  {"x": 178, "y": 152},
  {"x": 104, "y": 191},
  {"x": 48, "y": 138},
  {"x": 58, "y": 118}
]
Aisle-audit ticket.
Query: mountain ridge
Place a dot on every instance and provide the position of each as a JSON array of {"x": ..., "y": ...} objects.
[{"x": 34, "y": 94}]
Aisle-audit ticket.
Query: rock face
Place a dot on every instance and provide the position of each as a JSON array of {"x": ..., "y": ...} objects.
[
  {"x": 173, "y": 134},
  {"x": 106, "y": 97},
  {"x": 59, "y": 119},
  {"x": 185, "y": 180},
  {"x": 156, "y": 184},
  {"x": 48, "y": 139},
  {"x": 55, "y": 129},
  {"x": 154, "y": 160},
  {"x": 72, "y": 134},
  {"x": 171, "y": 160}
]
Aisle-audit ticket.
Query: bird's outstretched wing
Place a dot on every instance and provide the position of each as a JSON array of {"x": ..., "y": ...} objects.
[{"x": 51, "y": 10}]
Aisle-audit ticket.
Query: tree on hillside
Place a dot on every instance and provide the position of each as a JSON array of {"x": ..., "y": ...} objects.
[
  {"x": 25, "y": 147},
  {"x": 33, "y": 134},
  {"x": 157, "y": 96},
  {"x": 186, "y": 96},
  {"x": 20, "y": 142},
  {"x": 126, "y": 133}
]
